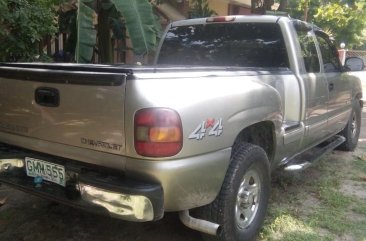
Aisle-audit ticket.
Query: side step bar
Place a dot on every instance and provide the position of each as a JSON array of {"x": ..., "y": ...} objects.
[{"x": 314, "y": 154}]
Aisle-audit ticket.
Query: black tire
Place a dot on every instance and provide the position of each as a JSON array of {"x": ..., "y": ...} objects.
[
  {"x": 249, "y": 168},
  {"x": 352, "y": 130}
]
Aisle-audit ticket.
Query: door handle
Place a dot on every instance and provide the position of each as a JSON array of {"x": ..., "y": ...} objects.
[
  {"x": 331, "y": 86},
  {"x": 48, "y": 97}
]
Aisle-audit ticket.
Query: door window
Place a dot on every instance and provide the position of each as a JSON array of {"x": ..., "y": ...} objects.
[
  {"x": 308, "y": 51},
  {"x": 329, "y": 52}
]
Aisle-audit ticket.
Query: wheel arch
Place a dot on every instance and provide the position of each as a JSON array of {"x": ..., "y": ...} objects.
[{"x": 262, "y": 134}]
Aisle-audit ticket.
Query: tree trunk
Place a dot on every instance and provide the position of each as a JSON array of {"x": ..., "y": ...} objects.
[
  {"x": 253, "y": 5},
  {"x": 306, "y": 9},
  {"x": 261, "y": 6},
  {"x": 283, "y": 6},
  {"x": 104, "y": 38},
  {"x": 267, "y": 5}
]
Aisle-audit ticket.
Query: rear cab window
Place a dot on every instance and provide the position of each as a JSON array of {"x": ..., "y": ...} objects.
[{"x": 223, "y": 44}]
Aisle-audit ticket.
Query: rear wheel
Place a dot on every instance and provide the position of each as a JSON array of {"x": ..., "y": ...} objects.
[
  {"x": 352, "y": 130},
  {"x": 241, "y": 205}
]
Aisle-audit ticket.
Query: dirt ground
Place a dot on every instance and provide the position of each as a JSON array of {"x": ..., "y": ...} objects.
[
  {"x": 24, "y": 217},
  {"x": 27, "y": 218}
]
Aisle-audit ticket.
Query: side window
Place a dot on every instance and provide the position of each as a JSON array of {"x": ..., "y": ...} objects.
[
  {"x": 308, "y": 51},
  {"x": 329, "y": 54}
]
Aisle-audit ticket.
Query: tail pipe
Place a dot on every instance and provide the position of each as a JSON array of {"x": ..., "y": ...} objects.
[{"x": 199, "y": 224}]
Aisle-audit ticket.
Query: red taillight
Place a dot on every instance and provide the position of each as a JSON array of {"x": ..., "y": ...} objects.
[
  {"x": 158, "y": 132},
  {"x": 220, "y": 19}
]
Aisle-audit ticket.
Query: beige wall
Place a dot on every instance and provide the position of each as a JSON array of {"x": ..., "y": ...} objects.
[
  {"x": 219, "y": 6},
  {"x": 226, "y": 7}
]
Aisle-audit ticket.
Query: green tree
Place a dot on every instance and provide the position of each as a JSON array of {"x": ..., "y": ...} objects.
[
  {"x": 201, "y": 9},
  {"x": 23, "y": 24},
  {"x": 134, "y": 15},
  {"x": 345, "y": 20},
  {"x": 261, "y": 6}
]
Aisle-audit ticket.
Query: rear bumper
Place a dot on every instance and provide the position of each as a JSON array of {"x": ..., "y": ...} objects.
[{"x": 87, "y": 187}]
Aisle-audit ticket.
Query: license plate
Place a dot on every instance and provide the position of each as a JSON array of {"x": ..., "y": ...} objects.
[{"x": 48, "y": 171}]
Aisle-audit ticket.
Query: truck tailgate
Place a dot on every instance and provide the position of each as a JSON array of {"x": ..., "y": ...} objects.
[{"x": 67, "y": 104}]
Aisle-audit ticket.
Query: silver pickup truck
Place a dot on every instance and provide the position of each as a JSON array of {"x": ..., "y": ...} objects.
[{"x": 229, "y": 100}]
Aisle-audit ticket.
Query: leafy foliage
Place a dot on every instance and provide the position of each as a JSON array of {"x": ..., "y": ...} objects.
[
  {"x": 201, "y": 9},
  {"x": 301, "y": 9},
  {"x": 134, "y": 15},
  {"x": 23, "y": 24},
  {"x": 67, "y": 16},
  {"x": 85, "y": 32},
  {"x": 140, "y": 20},
  {"x": 346, "y": 20}
]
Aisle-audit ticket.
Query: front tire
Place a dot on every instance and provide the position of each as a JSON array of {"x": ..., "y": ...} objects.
[
  {"x": 241, "y": 205},
  {"x": 352, "y": 130}
]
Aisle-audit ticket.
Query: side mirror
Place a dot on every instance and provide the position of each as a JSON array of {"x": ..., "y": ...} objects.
[{"x": 354, "y": 64}]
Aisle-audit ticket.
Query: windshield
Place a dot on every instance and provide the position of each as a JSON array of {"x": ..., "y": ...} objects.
[{"x": 223, "y": 44}]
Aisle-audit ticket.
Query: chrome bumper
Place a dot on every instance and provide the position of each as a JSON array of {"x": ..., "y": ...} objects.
[
  {"x": 128, "y": 207},
  {"x": 96, "y": 192}
]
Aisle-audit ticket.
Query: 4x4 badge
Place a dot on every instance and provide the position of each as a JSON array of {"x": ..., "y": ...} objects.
[{"x": 213, "y": 126}]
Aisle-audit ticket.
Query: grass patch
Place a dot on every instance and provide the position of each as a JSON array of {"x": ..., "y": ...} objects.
[
  {"x": 333, "y": 199},
  {"x": 330, "y": 219},
  {"x": 360, "y": 208},
  {"x": 310, "y": 206},
  {"x": 305, "y": 237},
  {"x": 331, "y": 212},
  {"x": 360, "y": 163},
  {"x": 288, "y": 228},
  {"x": 358, "y": 231}
]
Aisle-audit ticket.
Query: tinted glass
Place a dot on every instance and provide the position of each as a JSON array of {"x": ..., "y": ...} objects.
[
  {"x": 308, "y": 51},
  {"x": 233, "y": 44},
  {"x": 329, "y": 54}
]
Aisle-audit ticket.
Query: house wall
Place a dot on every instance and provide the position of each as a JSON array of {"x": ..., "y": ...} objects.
[
  {"x": 239, "y": 10},
  {"x": 219, "y": 6},
  {"x": 229, "y": 8}
]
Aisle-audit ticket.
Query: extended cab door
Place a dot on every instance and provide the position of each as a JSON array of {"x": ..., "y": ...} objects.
[
  {"x": 316, "y": 88},
  {"x": 339, "y": 103}
]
